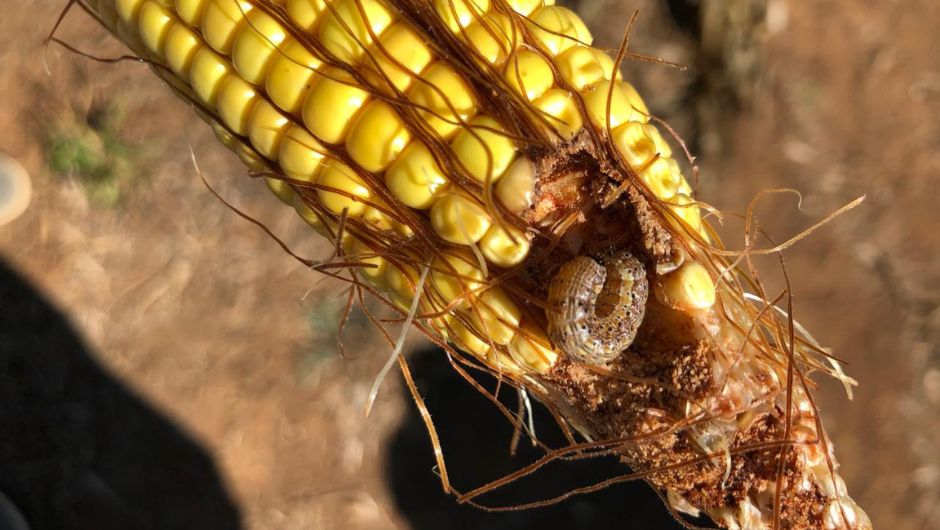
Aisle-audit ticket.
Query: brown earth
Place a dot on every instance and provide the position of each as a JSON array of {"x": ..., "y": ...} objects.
[{"x": 202, "y": 381}]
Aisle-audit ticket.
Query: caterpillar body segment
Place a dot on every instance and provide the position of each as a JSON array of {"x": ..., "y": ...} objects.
[
  {"x": 596, "y": 310},
  {"x": 487, "y": 144}
]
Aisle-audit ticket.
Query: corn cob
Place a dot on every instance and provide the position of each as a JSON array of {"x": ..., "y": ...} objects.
[{"x": 486, "y": 143}]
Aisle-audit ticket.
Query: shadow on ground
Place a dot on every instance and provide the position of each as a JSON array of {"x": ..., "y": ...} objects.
[
  {"x": 78, "y": 450},
  {"x": 475, "y": 438}
]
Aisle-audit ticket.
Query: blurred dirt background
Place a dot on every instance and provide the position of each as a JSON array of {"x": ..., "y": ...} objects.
[{"x": 163, "y": 364}]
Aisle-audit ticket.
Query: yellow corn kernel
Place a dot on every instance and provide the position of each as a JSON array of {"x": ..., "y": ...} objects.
[
  {"x": 662, "y": 147},
  {"x": 190, "y": 11},
  {"x": 685, "y": 208},
  {"x": 496, "y": 315},
  {"x": 373, "y": 267},
  {"x": 624, "y": 104},
  {"x": 663, "y": 177},
  {"x": 401, "y": 286},
  {"x": 503, "y": 247},
  {"x": 180, "y": 47},
  {"x": 456, "y": 278},
  {"x": 282, "y": 190},
  {"x": 560, "y": 112},
  {"x": 306, "y": 13},
  {"x": 634, "y": 143},
  {"x": 494, "y": 37},
  {"x": 377, "y": 136},
  {"x": 333, "y": 102},
  {"x": 221, "y": 21},
  {"x": 256, "y": 45},
  {"x": 288, "y": 80},
  {"x": 583, "y": 66},
  {"x": 236, "y": 99},
  {"x": 459, "y": 219},
  {"x": 516, "y": 190},
  {"x": 348, "y": 27},
  {"x": 415, "y": 178},
  {"x": 503, "y": 363},
  {"x": 398, "y": 47},
  {"x": 266, "y": 128},
  {"x": 377, "y": 217},
  {"x": 301, "y": 157},
  {"x": 310, "y": 216},
  {"x": 688, "y": 288},
  {"x": 229, "y": 140},
  {"x": 340, "y": 188},
  {"x": 444, "y": 97},
  {"x": 253, "y": 160},
  {"x": 459, "y": 14},
  {"x": 208, "y": 71},
  {"x": 129, "y": 10},
  {"x": 529, "y": 74},
  {"x": 525, "y": 7},
  {"x": 484, "y": 149},
  {"x": 558, "y": 29},
  {"x": 467, "y": 339},
  {"x": 531, "y": 348},
  {"x": 154, "y": 23}
]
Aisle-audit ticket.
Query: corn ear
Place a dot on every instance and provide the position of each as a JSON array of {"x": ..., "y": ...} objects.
[{"x": 435, "y": 133}]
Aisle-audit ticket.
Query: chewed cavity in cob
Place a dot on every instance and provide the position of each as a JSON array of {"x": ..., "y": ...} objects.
[{"x": 488, "y": 173}]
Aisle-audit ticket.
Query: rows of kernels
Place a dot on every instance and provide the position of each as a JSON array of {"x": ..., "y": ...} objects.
[{"x": 372, "y": 131}]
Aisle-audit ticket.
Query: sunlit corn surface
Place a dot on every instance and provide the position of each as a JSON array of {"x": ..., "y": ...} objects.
[{"x": 89, "y": 295}]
